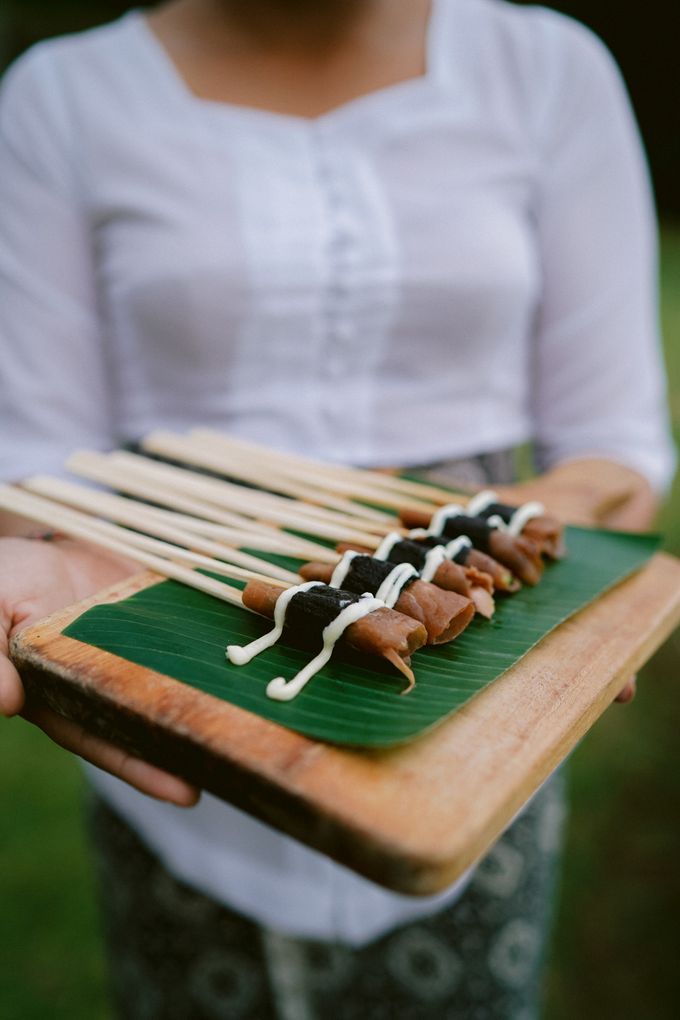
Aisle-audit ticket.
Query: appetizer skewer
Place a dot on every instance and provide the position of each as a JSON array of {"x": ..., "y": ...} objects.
[
  {"x": 417, "y": 503},
  {"x": 388, "y": 634},
  {"x": 516, "y": 552},
  {"x": 473, "y": 566},
  {"x": 445, "y": 614},
  {"x": 437, "y": 563},
  {"x": 220, "y": 541},
  {"x": 159, "y": 482},
  {"x": 365, "y": 623},
  {"x": 227, "y": 454},
  {"x": 466, "y": 552},
  {"x": 530, "y": 520},
  {"x": 210, "y": 498}
]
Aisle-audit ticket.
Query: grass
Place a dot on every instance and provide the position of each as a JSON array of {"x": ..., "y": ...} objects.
[
  {"x": 616, "y": 937},
  {"x": 50, "y": 956},
  {"x": 615, "y": 944}
]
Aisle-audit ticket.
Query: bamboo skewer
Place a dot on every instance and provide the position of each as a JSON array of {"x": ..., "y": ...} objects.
[
  {"x": 282, "y": 541},
  {"x": 231, "y": 495},
  {"x": 324, "y": 484},
  {"x": 143, "y": 518},
  {"x": 196, "y": 560},
  {"x": 309, "y": 484},
  {"x": 211, "y": 523},
  {"x": 98, "y": 467},
  {"x": 197, "y": 516},
  {"x": 183, "y": 448},
  {"x": 44, "y": 512},
  {"x": 161, "y": 524},
  {"x": 154, "y": 554},
  {"x": 259, "y": 571},
  {"x": 378, "y": 480}
]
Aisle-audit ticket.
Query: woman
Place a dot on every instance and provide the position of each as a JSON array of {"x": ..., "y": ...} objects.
[{"x": 296, "y": 221}]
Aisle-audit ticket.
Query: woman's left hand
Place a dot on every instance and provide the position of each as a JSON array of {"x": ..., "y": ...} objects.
[
  {"x": 593, "y": 492},
  {"x": 590, "y": 492}
]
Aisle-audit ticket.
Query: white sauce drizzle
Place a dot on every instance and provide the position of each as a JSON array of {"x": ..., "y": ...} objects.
[
  {"x": 433, "y": 561},
  {"x": 457, "y": 545},
  {"x": 284, "y": 690},
  {"x": 440, "y": 553},
  {"x": 342, "y": 569},
  {"x": 387, "y": 545},
  {"x": 480, "y": 502},
  {"x": 523, "y": 515},
  {"x": 520, "y": 518},
  {"x": 240, "y": 655},
  {"x": 392, "y": 587},
  {"x": 440, "y": 517},
  {"x": 281, "y": 689}
]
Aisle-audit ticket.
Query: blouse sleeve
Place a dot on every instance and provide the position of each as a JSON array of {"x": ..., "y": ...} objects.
[
  {"x": 53, "y": 392},
  {"x": 599, "y": 386}
]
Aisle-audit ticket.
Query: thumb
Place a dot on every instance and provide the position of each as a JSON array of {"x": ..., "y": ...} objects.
[{"x": 11, "y": 688}]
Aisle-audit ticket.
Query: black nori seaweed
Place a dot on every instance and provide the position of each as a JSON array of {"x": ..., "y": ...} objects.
[
  {"x": 432, "y": 541},
  {"x": 408, "y": 552},
  {"x": 429, "y": 541},
  {"x": 309, "y": 612},
  {"x": 463, "y": 555},
  {"x": 475, "y": 528},
  {"x": 367, "y": 574},
  {"x": 501, "y": 510}
]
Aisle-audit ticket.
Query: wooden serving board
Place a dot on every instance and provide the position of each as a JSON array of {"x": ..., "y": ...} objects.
[{"x": 411, "y": 818}]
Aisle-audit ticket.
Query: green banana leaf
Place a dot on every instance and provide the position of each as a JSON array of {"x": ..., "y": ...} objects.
[{"x": 182, "y": 633}]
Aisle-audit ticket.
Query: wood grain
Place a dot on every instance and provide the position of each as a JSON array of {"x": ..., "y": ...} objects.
[{"x": 411, "y": 819}]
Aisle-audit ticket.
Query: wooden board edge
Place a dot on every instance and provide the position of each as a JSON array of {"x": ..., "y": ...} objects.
[
  {"x": 434, "y": 874},
  {"x": 245, "y": 786}
]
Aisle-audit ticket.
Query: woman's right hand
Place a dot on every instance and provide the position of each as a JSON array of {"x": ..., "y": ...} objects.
[{"x": 36, "y": 579}]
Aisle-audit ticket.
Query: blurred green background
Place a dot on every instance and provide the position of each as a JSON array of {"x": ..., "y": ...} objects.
[{"x": 615, "y": 947}]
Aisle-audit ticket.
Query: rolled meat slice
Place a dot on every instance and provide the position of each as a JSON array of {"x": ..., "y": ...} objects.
[
  {"x": 548, "y": 534},
  {"x": 444, "y": 614},
  {"x": 530, "y": 519},
  {"x": 503, "y": 579},
  {"x": 479, "y": 568},
  {"x": 475, "y": 581},
  {"x": 518, "y": 553},
  {"x": 383, "y": 632}
]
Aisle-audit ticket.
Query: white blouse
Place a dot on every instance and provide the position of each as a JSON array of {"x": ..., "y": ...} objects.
[{"x": 446, "y": 266}]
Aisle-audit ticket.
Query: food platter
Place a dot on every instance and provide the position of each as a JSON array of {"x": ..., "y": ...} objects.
[
  {"x": 408, "y": 790},
  {"x": 412, "y": 817}
]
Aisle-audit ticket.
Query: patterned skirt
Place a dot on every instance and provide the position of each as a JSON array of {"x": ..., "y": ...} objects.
[{"x": 175, "y": 954}]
